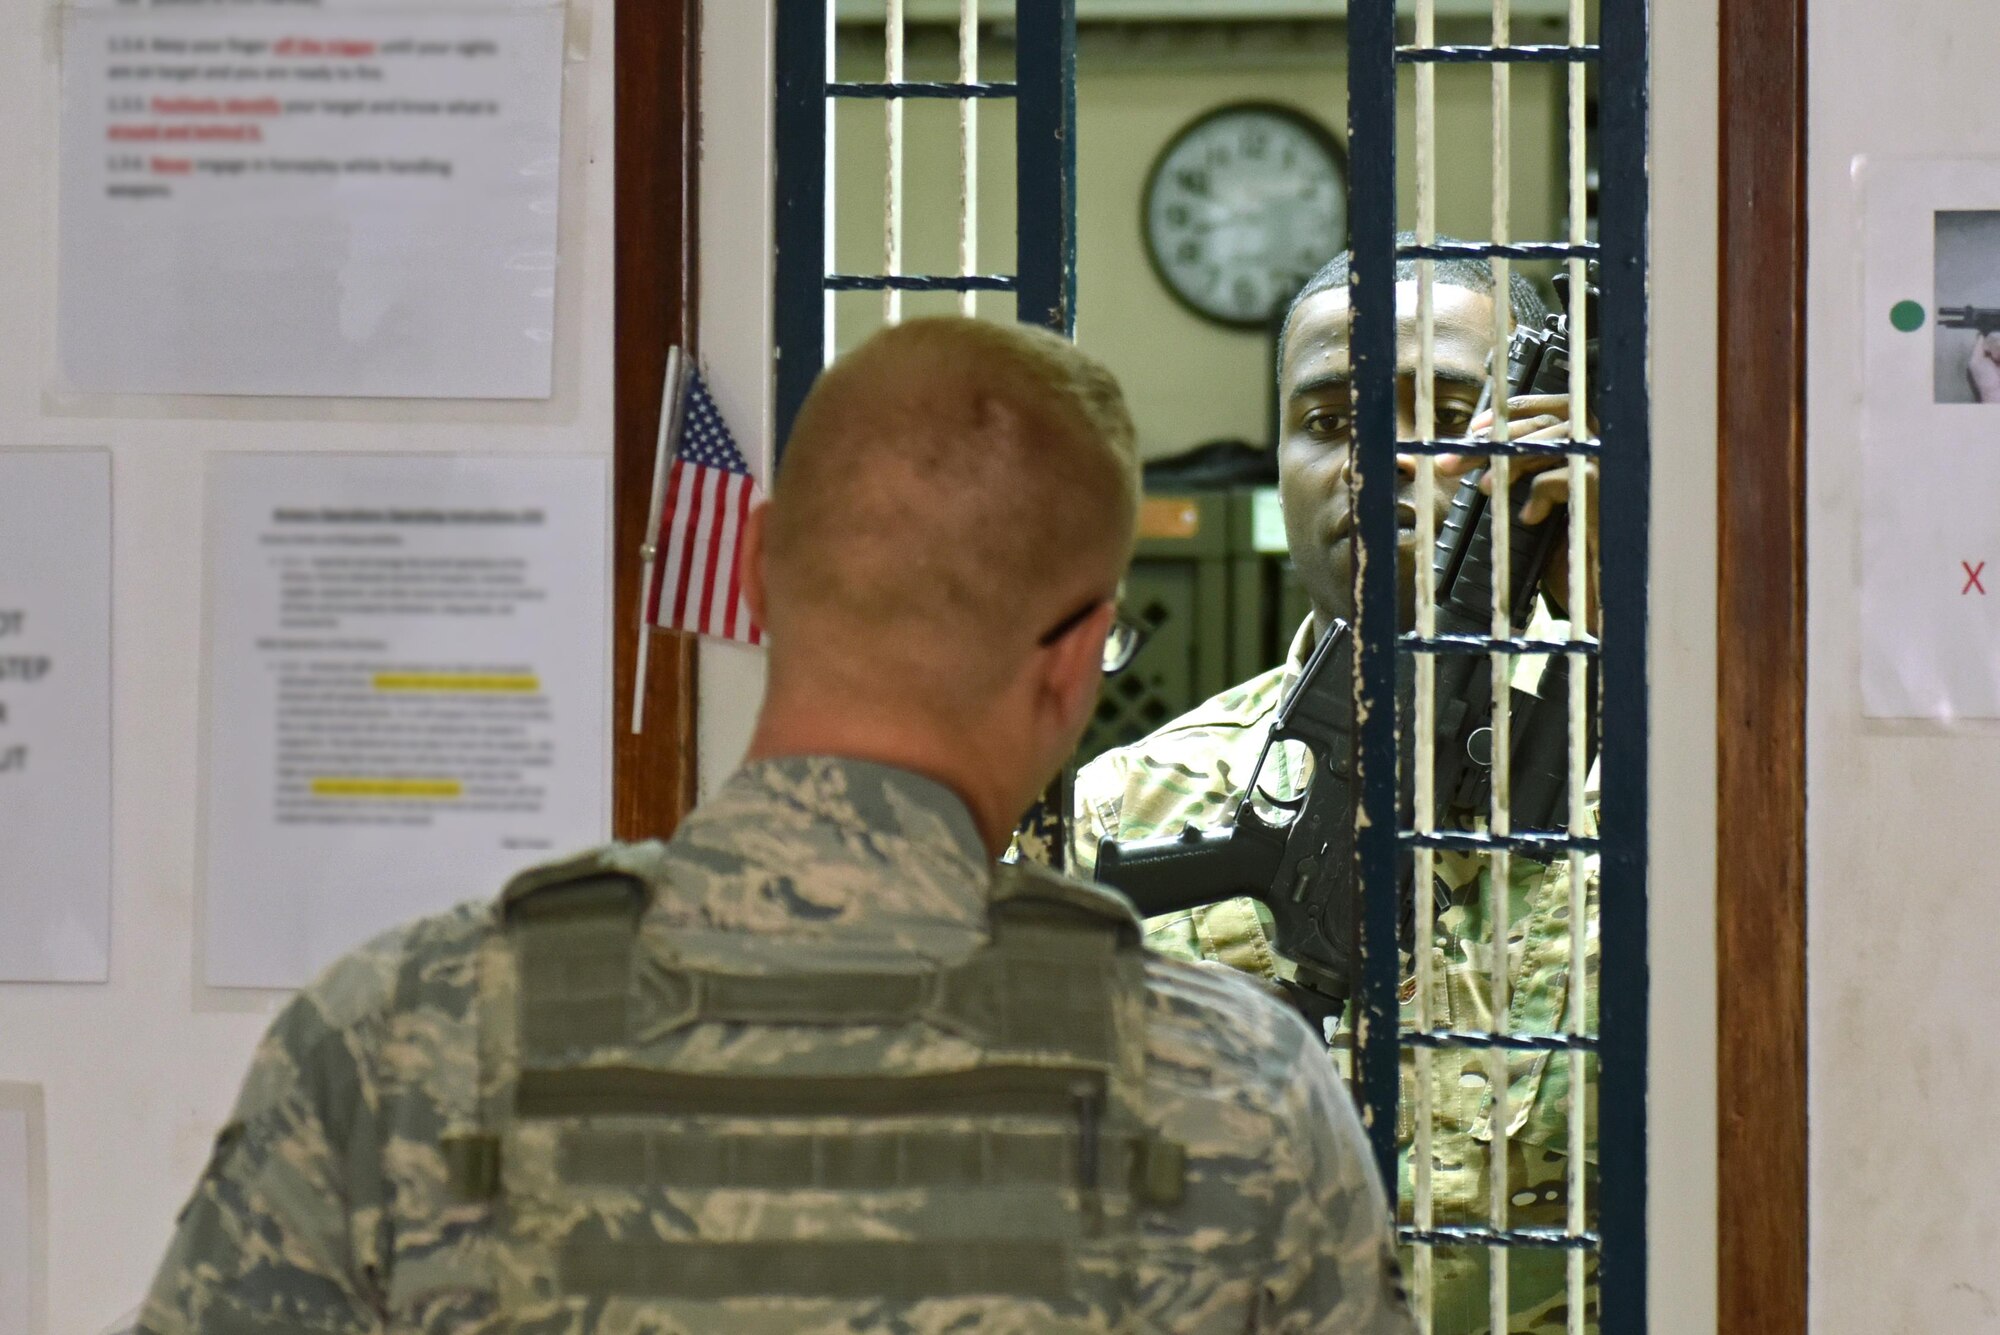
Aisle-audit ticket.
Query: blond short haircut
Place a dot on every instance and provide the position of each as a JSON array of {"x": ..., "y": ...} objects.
[{"x": 950, "y": 486}]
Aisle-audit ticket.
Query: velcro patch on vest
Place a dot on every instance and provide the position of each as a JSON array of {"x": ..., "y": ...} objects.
[{"x": 472, "y": 1165}]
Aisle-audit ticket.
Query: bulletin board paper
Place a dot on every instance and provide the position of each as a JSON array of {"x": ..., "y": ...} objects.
[
  {"x": 22, "y": 1291},
  {"x": 352, "y": 199},
  {"x": 55, "y": 716},
  {"x": 408, "y": 694},
  {"x": 1930, "y": 541}
]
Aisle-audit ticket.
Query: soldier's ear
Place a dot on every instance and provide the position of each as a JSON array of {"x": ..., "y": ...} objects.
[{"x": 1074, "y": 667}]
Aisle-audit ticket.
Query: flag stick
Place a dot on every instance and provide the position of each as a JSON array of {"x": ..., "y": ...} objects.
[
  {"x": 671, "y": 399},
  {"x": 639, "y": 689}
]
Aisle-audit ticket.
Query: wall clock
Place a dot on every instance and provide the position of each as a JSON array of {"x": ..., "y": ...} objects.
[{"x": 1244, "y": 205}]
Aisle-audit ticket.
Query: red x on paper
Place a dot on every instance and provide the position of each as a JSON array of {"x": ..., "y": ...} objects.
[{"x": 1972, "y": 578}]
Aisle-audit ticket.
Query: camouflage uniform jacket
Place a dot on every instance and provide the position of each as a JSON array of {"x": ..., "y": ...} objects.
[
  {"x": 1195, "y": 771},
  {"x": 326, "y": 1206}
]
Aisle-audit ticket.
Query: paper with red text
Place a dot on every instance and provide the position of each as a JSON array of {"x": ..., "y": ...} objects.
[
  {"x": 352, "y": 198},
  {"x": 1929, "y": 398}
]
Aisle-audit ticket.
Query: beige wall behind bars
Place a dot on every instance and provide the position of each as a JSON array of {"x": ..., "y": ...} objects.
[{"x": 1190, "y": 381}]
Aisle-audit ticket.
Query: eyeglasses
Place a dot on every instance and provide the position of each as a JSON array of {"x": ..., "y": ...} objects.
[{"x": 1126, "y": 638}]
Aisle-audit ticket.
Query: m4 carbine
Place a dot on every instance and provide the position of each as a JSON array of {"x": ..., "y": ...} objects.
[
  {"x": 1303, "y": 871},
  {"x": 1986, "y": 319},
  {"x": 1538, "y": 363}
]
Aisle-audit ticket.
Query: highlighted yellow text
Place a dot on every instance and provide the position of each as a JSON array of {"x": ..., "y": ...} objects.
[
  {"x": 458, "y": 683},
  {"x": 405, "y": 789}
]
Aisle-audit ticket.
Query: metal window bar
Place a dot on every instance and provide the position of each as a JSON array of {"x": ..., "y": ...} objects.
[
  {"x": 1473, "y": 1038},
  {"x": 966, "y": 89},
  {"x": 1044, "y": 97},
  {"x": 1516, "y": 1237},
  {"x": 968, "y": 154},
  {"x": 1424, "y": 816},
  {"x": 1487, "y": 644},
  {"x": 1423, "y": 53},
  {"x": 1578, "y": 1109},
  {"x": 1521, "y": 841},
  {"x": 1500, "y": 866},
  {"x": 1045, "y": 137},
  {"x": 1619, "y": 1045},
  {"x": 869, "y": 282},
  {"x": 1521, "y": 250},
  {"x": 892, "y": 186},
  {"x": 1624, "y": 411},
  {"x": 1518, "y": 448}
]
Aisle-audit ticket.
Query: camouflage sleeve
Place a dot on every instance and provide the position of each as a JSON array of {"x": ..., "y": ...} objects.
[
  {"x": 1338, "y": 1268},
  {"x": 1094, "y": 815},
  {"x": 267, "y": 1243}
]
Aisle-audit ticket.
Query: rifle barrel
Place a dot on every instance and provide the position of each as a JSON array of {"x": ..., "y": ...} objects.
[{"x": 1985, "y": 319}]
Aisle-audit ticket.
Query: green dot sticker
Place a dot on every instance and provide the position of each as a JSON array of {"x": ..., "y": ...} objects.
[{"x": 1907, "y": 316}]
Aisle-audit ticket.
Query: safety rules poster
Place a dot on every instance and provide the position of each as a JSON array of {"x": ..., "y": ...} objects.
[
  {"x": 345, "y": 198},
  {"x": 1930, "y": 404}
]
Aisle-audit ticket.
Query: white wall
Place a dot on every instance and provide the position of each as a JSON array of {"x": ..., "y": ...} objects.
[
  {"x": 139, "y": 1073},
  {"x": 1681, "y": 1218},
  {"x": 737, "y": 254},
  {"x": 1905, "y": 1176}
]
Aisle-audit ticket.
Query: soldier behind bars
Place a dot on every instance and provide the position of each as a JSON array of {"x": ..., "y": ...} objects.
[
  {"x": 1194, "y": 771},
  {"x": 817, "y": 1063}
]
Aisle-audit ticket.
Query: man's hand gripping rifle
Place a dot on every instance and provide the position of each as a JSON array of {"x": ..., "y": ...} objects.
[{"x": 1304, "y": 871}]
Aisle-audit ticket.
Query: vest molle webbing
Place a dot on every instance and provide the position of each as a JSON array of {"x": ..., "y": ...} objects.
[{"x": 789, "y": 1142}]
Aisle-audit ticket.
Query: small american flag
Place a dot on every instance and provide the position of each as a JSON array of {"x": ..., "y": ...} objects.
[{"x": 695, "y": 583}]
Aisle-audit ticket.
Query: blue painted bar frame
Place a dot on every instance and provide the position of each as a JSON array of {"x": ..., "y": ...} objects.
[
  {"x": 1624, "y": 411},
  {"x": 1044, "y": 97}
]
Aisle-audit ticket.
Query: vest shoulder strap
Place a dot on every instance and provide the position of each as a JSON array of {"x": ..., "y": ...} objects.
[
  {"x": 1061, "y": 955},
  {"x": 1025, "y": 889},
  {"x": 587, "y": 885},
  {"x": 573, "y": 926}
]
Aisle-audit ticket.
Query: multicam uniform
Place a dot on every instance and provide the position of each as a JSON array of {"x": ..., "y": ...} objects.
[
  {"x": 529, "y": 1117},
  {"x": 1195, "y": 771}
]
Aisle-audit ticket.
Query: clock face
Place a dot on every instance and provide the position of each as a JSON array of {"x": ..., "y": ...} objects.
[{"x": 1245, "y": 205}]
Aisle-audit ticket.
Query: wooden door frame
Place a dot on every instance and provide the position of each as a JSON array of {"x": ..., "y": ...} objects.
[
  {"x": 1761, "y": 673},
  {"x": 658, "y": 150}
]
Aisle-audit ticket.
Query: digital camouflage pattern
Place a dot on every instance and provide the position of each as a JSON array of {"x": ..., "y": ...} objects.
[
  {"x": 342, "y": 1197},
  {"x": 1195, "y": 771}
]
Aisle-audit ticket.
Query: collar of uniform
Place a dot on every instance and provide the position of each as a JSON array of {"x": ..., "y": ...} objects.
[
  {"x": 820, "y": 841},
  {"x": 1295, "y": 661},
  {"x": 864, "y": 797}
]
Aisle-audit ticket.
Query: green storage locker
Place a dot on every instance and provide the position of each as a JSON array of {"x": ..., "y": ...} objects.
[{"x": 1212, "y": 583}]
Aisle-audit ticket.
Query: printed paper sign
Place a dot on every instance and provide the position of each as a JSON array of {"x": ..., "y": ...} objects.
[
  {"x": 352, "y": 199},
  {"x": 408, "y": 699},
  {"x": 55, "y": 716},
  {"x": 1930, "y": 542}
]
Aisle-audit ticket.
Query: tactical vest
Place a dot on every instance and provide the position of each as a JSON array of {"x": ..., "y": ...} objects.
[{"x": 885, "y": 1139}]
